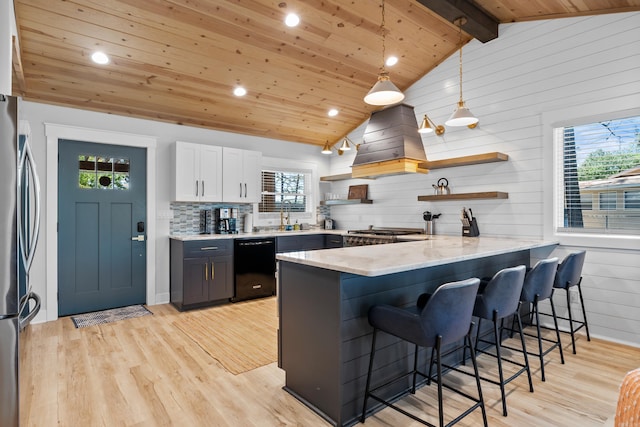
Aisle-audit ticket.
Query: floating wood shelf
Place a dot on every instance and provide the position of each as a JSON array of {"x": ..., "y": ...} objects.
[
  {"x": 464, "y": 196},
  {"x": 475, "y": 159},
  {"x": 346, "y": 202}
]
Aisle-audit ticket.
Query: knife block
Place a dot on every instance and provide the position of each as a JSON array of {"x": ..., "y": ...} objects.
[{"x": 471, "y": 230}]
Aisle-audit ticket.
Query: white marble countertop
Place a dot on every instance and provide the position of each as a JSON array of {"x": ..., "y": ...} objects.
[
  {"x": 268, "y": 233},
  {"x": 378, "y": 260}
]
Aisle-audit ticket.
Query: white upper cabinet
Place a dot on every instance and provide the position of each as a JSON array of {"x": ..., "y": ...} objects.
[
  {"x": 241, "y": 175},
  {"x": 198, "y": 172}
]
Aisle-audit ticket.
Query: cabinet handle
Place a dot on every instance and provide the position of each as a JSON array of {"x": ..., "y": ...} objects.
[
  {"x": 245, "y": 189},
  {"x": 212, "y": 271},
  {"x": 209, "y": 248},
  {"x": 203, "y": 188},
  {"x": 197, "y": 187},
  {"x": 240, "y": 189},
  {"x": 206, "y": 272}
]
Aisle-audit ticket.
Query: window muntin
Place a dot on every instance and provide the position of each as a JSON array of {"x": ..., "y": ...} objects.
[
  {"x": 100, "y": 172},
  {"x": 600, "y": 164}
]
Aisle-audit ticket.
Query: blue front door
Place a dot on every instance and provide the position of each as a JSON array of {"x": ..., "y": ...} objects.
[{"x": 101, "y": 226}]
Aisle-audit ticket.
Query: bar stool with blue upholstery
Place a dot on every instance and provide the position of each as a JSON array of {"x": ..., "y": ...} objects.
[
  {"x": 499, "y": 300},
  {"x": 445, "y": 319},
  {"x": 538, "y": 286},
  {"x": 569, "y": 274}
]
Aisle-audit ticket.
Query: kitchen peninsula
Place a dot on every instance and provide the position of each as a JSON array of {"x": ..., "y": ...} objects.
[{"x": 325, "y": 295}]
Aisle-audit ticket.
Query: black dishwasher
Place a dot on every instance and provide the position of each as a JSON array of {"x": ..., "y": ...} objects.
[{"x": 255, "y": 268}]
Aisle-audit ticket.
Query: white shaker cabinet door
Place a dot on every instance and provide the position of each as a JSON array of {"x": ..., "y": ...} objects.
[
  {"x": 241, "y": 175},
  {"x": 210, "y": 173},
  {"x": 198, "y": 172},
  {"x": 187, "y": 172},
  {"x": 252, "y": 176}
]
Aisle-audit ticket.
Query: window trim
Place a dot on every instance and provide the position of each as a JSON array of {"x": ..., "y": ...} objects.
[
  {"x": 309, "y": 216},
  {"x": 609, "y": 109}
]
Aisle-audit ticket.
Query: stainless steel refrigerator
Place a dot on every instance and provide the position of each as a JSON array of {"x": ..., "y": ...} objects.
[{"x": 19, "y": 227}]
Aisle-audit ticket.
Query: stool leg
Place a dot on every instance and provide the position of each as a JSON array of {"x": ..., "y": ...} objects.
[
  {"x": 573, "y": 338},
  {"x": 477, "y": 375},
  {"x": 499, "y": 357},
  {"x": 366, "y": 389},
  {"x": 415, "y": 369},
  {"x": 540, "y": 354},
  {"x": 524, "y": 350},
  {"x": 433, "y": 354},
  {"x": 555, "y": 322},
  {"x": 478, "y": 333},
  {"x": 439, "y": 373},
  {"x": 584, "y": 312}
]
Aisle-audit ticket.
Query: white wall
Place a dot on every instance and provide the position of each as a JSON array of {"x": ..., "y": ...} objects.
[
  {"x": 532, "y": 70},
  {"x": 37, "y": 114}
]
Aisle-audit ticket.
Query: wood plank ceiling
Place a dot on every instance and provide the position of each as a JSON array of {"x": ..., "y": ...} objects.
[{"x": 179, "y": 60}]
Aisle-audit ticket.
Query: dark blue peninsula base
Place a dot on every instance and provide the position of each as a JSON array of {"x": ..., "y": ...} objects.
[{"x": 325, "y": 337}]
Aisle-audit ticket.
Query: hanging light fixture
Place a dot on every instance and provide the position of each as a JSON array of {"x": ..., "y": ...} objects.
[
  {"x": 326, "y": 149},
  {"x": 427, "y": 126},
  {"x": 345, "y": 144},
  {"x": 462, "y": 116},
  {"x": 383, "y": 92}
]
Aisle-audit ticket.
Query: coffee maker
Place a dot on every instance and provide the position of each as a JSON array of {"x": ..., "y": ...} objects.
[{"x": 226, "y": 220}]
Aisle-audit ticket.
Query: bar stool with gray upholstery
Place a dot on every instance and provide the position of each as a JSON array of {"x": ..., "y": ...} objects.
[
  {"x": 499, "y": 300},
  {"x": 568, "y": 276},
  {"x": 445, "y": 319},
  {"x": 538, "y": 286}
]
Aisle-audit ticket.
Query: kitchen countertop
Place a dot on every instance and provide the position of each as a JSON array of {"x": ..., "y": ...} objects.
[
  {"x": 268, "y": 233},
  {"x": 378, "y": 260}
]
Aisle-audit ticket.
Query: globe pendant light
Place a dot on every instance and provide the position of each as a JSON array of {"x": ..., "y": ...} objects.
[
  {"x": 462, "y": 116},
  {"x": 383, "y": 92}
]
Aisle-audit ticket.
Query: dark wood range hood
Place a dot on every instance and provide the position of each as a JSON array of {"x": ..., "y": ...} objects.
[{"x": 391, "y": 144}]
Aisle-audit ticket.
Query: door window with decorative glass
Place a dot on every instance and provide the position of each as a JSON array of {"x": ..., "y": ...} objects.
[{"x": 99, "y": 172}]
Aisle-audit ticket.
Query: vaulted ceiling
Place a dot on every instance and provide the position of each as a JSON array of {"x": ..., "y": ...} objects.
[{"x": 179, "y": 60}]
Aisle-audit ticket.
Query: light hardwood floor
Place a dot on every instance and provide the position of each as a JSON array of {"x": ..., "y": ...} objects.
[{"x": 145, "y": 372}]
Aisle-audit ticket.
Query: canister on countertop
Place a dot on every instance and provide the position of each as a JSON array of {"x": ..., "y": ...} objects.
[{"x": 248, "y": 222}]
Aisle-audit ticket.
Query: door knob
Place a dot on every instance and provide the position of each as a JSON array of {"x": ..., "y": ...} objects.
[{"x": 138, "y": 238}]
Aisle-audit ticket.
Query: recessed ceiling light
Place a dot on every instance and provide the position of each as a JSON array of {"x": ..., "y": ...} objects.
[
  {"x": 292, "y": 20},
  {"x": 100, "y": 58},
  {"x": 239, "y": 91},
  {"x": 391, "y": 61},
  {"x": 332, "y": 112}
]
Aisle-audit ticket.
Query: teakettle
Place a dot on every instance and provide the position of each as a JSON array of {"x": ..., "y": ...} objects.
[{"x": 442, "y": 187}]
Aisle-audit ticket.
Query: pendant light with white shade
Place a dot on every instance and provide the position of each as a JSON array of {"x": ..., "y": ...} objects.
[
  {"x": 462, "y": 116},
  {"x": 383, "y": 92}
]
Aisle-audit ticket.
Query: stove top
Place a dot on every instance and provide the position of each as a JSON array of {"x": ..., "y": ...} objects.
[{"x": 388, "y": 231}]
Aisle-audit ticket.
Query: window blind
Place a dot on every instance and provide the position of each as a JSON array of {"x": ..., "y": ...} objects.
[
  {"x": 599, "y": 179},
  {"x": 283, "y": 190}
]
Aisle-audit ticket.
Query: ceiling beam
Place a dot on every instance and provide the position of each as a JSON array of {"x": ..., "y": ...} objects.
[{"x": 480, "y": 24}]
